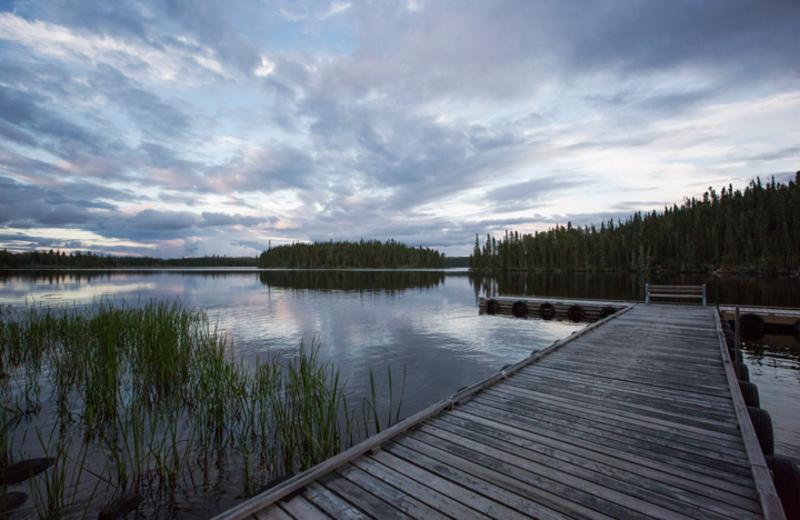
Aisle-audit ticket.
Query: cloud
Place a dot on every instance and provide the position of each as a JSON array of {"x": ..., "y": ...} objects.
[
  {"x": 188, "y": 126},
  {"x": 224, "y": 219},
  {"x": 791, "y": 152},
  {"x": 16, "y": 135},
  {"x": 38, "y": 214},
  {"x": 336, "y": 8},
  {"x": 212, "y": 26},
  {"x": 155, "y": 117},
  {"x": 22, "y": 110},
  {"x": 262, "y": 168},
  {"x": 633, "y": 206},
  {"x": 60, "y": 203},
  {"x": 532, "y": 190},
  {"x": 164, "y": 60},
  {"x": 153, "y": 220},
  {"x": 265, "y": 68}
]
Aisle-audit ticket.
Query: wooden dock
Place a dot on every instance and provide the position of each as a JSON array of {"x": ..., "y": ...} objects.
[
  {"x": 559, "y": 308},
  {"x": 771, "y": 315},
  {"x": 636, "y": 416}
]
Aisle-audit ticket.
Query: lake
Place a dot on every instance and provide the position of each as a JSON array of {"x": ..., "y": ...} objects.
[{"x": 424, "y": 322}]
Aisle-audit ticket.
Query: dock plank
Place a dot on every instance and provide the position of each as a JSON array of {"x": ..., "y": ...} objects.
[
  {"x": 674, "y": 394},
  {"x": 610, "y": 461},
  {"x": 726, "y": 450},
  {"x": 647, "y": 450},
  {"x": 300, "y": 508},
  {"x": 427, "y": 488},
  {"x": 392, "y": 496},
  {"x": 273, "y": 513},
  {"x": 596, "y": 398},
  {"x": 503, "y": 476},
  {"x": 621, "y": 483},
  {"x": 331, "y": 504},
  {"x": 558, "y": 487},
  {"x": 485, "y": 494},
  {"x": 632, "y": 417}
]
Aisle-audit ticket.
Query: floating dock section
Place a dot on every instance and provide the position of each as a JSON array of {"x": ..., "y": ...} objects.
[
  {"x": 780, "y": 319},
  {"x": 587, "y": 311},
  {"x": 637, "y": 416}
]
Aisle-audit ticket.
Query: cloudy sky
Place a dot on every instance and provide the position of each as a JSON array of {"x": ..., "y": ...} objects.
[{"x": 192, "y": 127}]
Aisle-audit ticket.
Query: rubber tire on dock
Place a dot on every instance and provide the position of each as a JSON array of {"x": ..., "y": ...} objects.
[
  {"x": 786, "y": 477},
  {"x": 750, "y": 394},
  {"x": 744, "y": 372},
  {"x": 547, "y": 311},
  {"x": 730, "y": 342},
  {"x": 575, "y": 313},
  {"x": 762, "y": 424},
  {"x": 797, "y": 326},
  {"x": 728, "y": 334},
  {"x": 607, "y": 311},
  {"x": 492, "y": 307},
  {"x": 726, "y": 325},
  {"x": 519, "y": 309},
  {"x": 752, "y": 326},
  {"x": 732, "y": 354}
]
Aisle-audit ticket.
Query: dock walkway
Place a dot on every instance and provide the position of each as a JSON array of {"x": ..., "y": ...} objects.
[{"x": 638, "y": 416}]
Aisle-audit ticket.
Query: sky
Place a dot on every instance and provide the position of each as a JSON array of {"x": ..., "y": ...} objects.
[{"x": 187, "y": 128}]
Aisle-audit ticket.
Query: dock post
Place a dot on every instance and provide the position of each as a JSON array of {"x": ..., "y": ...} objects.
[
  {"x": 647, "y": 294},
  {"x": 704, "y": 295},
  {"x": 737, "y": 339}
]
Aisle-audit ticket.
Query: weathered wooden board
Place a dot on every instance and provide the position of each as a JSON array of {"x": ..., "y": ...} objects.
[
  {"x": 776, "y": 315},
  {"x": 638, "y": 416}
]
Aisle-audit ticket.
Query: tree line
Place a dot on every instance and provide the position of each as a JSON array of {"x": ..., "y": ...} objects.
[
  {"x": 88, "y": 260},
  {"x": 757, "y": 229},
  {"x": 370, "y": 254},
  {"x": 456, "y": 261}
]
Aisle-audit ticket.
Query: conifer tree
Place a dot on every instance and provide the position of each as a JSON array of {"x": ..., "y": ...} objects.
[{"x": 757, "y": 228}]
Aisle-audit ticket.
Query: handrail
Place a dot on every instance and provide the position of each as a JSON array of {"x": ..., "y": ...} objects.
[{"x": 672, "y": 291}]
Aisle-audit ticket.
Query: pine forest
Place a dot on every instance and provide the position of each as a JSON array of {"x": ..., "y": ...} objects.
[
  {"x": 370, "y": 254},
  {"x": 88, "y": 260},
  {"x": 755, "y": 230}
]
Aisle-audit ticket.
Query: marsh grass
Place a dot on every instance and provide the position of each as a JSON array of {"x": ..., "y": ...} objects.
[
  {"x": 56, "y": 493},
  {"x": 147, "y": 399},
  {"x": 370, "y": 409}
]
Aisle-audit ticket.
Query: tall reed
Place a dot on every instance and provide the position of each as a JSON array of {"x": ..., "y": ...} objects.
[
  {"x": 311, "y": 414},
  {"x": 147, "y": 399},
  {"x": 370, "y": 408}
]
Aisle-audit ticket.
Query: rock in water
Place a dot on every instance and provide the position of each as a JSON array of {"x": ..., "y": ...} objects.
[
  {"x": 11, "y": 501},
  {"x": 24, "y": 469},
  {"x": 120, "y": 506}
]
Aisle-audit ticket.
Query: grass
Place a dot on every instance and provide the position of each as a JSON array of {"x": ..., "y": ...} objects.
[
  {"x": 146, "y": 399},
  {"x": 56, "y": 492},
  {"x": 370, "y": 409}
]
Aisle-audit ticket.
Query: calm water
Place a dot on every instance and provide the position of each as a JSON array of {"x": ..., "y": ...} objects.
[{"x": 425, "y": 321}]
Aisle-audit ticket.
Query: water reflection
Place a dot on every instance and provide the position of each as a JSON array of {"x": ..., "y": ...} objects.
[
  {"x": 774, "y": 363},
  {"x": 425, "y": 320},
  {"x": 352, "y": 280}
]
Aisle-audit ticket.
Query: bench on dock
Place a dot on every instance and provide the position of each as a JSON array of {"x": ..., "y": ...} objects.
[{"x": 674, "y": 291}]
